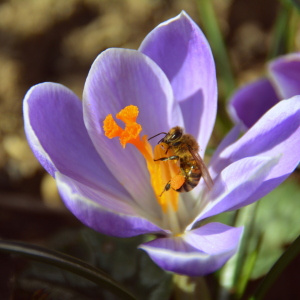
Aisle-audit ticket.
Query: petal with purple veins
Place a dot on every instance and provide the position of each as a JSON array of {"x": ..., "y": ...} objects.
[
  {"x": 197, "y": 252},
  {"x": 235, "y": 184},
  {"x": 277, "y": 133},
  {"x": 181, "y": 50},
  {"x": 86, "y": 204},
  {"x": 57, "y": 135}
]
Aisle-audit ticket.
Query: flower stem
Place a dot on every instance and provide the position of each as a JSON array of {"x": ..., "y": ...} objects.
[
  {"x": 249, "y": 264},
  {"x": 190, "y": 288},
  {"x": 229, "y": 276}
]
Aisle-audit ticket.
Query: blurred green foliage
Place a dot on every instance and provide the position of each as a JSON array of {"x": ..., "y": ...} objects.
[
  {"x": 278, "y": 220},
  {"x": 117, "y": 257}
]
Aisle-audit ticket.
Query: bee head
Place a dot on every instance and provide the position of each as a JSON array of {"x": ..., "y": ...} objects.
[{"x": 173, "y": 135}]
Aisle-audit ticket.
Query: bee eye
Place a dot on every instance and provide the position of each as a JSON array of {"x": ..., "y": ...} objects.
[{"x": 175, "y": 136}]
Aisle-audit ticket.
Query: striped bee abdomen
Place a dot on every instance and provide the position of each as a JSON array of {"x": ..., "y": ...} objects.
[{"x": 192, "y": 177}]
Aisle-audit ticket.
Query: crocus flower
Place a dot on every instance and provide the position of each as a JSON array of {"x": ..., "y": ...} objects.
[
  {"x": 250, "y": 102},
  {"x": 99, "y": 153}
]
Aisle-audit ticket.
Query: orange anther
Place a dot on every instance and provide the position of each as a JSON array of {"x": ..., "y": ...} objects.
[
  {"x": 111, "y": 128},
  {"x": 128, "y": 114},
  {"x": 130, "y": 133}
]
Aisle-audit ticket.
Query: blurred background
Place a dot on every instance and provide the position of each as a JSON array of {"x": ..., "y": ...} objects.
[{"x": 50, "y": 40}]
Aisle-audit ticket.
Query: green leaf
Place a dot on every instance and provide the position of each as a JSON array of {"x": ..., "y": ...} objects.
[
  {"x": 278, "y": 219},
  {"x": 66, "y": 262}
]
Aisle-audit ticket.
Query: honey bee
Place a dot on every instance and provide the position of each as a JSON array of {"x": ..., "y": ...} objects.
[{"x": 192, "y": 167}]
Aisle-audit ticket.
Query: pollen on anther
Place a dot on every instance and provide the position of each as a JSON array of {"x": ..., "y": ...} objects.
[
  {"x": 111, "y": 128},
  {"x": 128, "y": 114},
  {"x": 130, "y": 134}
]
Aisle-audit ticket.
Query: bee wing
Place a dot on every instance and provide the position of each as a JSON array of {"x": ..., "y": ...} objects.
[{"x": 205, "y": 174}]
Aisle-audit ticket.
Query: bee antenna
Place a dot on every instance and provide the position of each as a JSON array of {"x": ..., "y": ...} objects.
[{"x": 156, "y": 135}]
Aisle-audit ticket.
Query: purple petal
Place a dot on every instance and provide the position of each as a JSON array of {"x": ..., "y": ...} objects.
[
  {"x": 57, "y": 135},
  {"x": 180, "y": 48},
  {"x": 277, "y": 133},
  {"x": 285, "y": 73},
  {"x": 197, "y": 252},
  {"x": 235, "y": 184},
  {"x": 249, "y": 103},
  {"x": 119, "y": 78},
  {"x": 93, "y": 214},
  {"x": 229, "y": 139}
]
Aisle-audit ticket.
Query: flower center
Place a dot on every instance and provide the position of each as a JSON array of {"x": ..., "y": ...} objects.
[{"x": 161, "y": 172}]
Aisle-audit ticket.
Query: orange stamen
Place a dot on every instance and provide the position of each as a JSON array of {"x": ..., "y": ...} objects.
[
  {"x": 111, "y": 128},
  {"x": 130, "y": 134},
  {"x": 161, "y": 172},
  {"x": 128, "y": 114}
]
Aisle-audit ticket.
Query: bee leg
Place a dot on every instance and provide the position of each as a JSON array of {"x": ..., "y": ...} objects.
[
  {"x": 167, "y": 158},
  {"x": 167, "y": 187}
]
